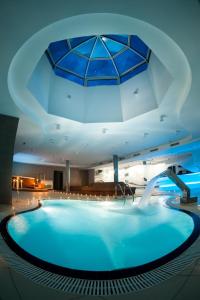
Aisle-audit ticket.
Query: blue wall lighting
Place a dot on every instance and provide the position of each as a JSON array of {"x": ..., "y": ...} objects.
[{"x": 192, "y": 180}]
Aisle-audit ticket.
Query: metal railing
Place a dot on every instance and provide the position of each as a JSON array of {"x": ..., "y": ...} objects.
[{"x": 121, "y": 189}]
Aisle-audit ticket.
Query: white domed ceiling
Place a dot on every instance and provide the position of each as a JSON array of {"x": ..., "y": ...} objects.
[
  {"x": 87, "y": 124},
  {"x": 102, "y": 78}
]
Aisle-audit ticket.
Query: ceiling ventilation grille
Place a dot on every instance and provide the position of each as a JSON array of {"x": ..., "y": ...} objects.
[
  {"x": 155, "y": 149},
  {"x": 174, "y": 144},
  {"x": 136, "y": 154}
]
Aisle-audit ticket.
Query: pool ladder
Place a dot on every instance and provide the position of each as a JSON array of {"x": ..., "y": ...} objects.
[{"x": 123, "y": 190}]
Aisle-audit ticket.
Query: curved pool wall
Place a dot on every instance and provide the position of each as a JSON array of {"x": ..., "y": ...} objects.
[{"x": 136, "y": 240}]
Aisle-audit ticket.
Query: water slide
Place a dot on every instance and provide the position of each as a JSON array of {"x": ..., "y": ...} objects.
[{"x": 184, "y": 199}]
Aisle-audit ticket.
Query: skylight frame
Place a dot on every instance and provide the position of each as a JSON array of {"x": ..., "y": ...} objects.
[{"x": 111, "y": 57}]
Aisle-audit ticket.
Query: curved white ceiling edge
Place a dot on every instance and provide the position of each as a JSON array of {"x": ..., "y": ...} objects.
[{"x": 29, "y": 54}]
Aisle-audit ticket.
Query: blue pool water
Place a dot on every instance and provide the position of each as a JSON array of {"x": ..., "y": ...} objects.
[{"x": 97, "y": 236}]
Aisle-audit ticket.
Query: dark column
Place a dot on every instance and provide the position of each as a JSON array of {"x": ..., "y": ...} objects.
[
  {"x": 67, "y": 172},
  {"x": 8, "y": 129},
  {"x": 91, "y": 176},
  {"x": 115, "y": 166}
]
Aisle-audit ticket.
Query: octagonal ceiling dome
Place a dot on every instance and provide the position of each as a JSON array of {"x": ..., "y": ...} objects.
[{"x": 99, "y": 60}]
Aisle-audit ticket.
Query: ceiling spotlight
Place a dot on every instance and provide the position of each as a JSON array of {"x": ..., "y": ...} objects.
[
  {"x": 162, "y": 118},
  {"x": 104, "y": 130},
  {"x": 51, "y": 141},
  {"x": 136, "y": 91}
]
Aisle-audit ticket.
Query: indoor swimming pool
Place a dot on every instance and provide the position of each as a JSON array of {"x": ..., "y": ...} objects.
[{"x": 100, "y": 237}]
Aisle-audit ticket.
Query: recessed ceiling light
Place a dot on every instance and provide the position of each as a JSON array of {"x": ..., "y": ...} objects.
[
  {"x": 136, "y": 91},
  {"x": 162, "y": 118},
  {"x": 69, "y": 96},
  {"x": 51, "y": 141},
  {"x": 104, "y": 130}
]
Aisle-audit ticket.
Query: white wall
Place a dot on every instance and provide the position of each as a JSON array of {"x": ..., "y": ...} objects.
[
  {"x": 103, "y": 104},
  {"x": 59, "y": 104},
  {"x": 160, "y": 78},
  {"x": 142, "y": 102},
  {"x": 133, "y": 174},
  {"x": 39, "y": 82},
  {"x": 87, "y": 104}
]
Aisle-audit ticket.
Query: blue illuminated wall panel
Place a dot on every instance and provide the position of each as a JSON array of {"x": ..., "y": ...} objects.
[{"x": 191, "y": 180}]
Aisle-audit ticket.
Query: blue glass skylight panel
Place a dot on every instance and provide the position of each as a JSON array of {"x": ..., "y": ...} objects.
[
  {"x": 99, "y": 50},
  {"x": 77, "y": 41},
  {"x": 138, "y": 45},
  {"x": 73, "y": 62},
  {"x": 86, "y": 47},
  {"x": 127, "y": 60},
  {"x": 69, "y": 76},
  {"x": 101, "y": 68},
  {"x": 121, "y": 38},
  {"x": 99, "y": 60},
  {"x": 57, "y": 50},
  {"x": 133, "y": 72},
  {"x": 112, "y": 46}
]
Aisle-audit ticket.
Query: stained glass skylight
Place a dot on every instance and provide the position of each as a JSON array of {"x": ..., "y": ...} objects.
[{"x": 99, "y": 60}]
